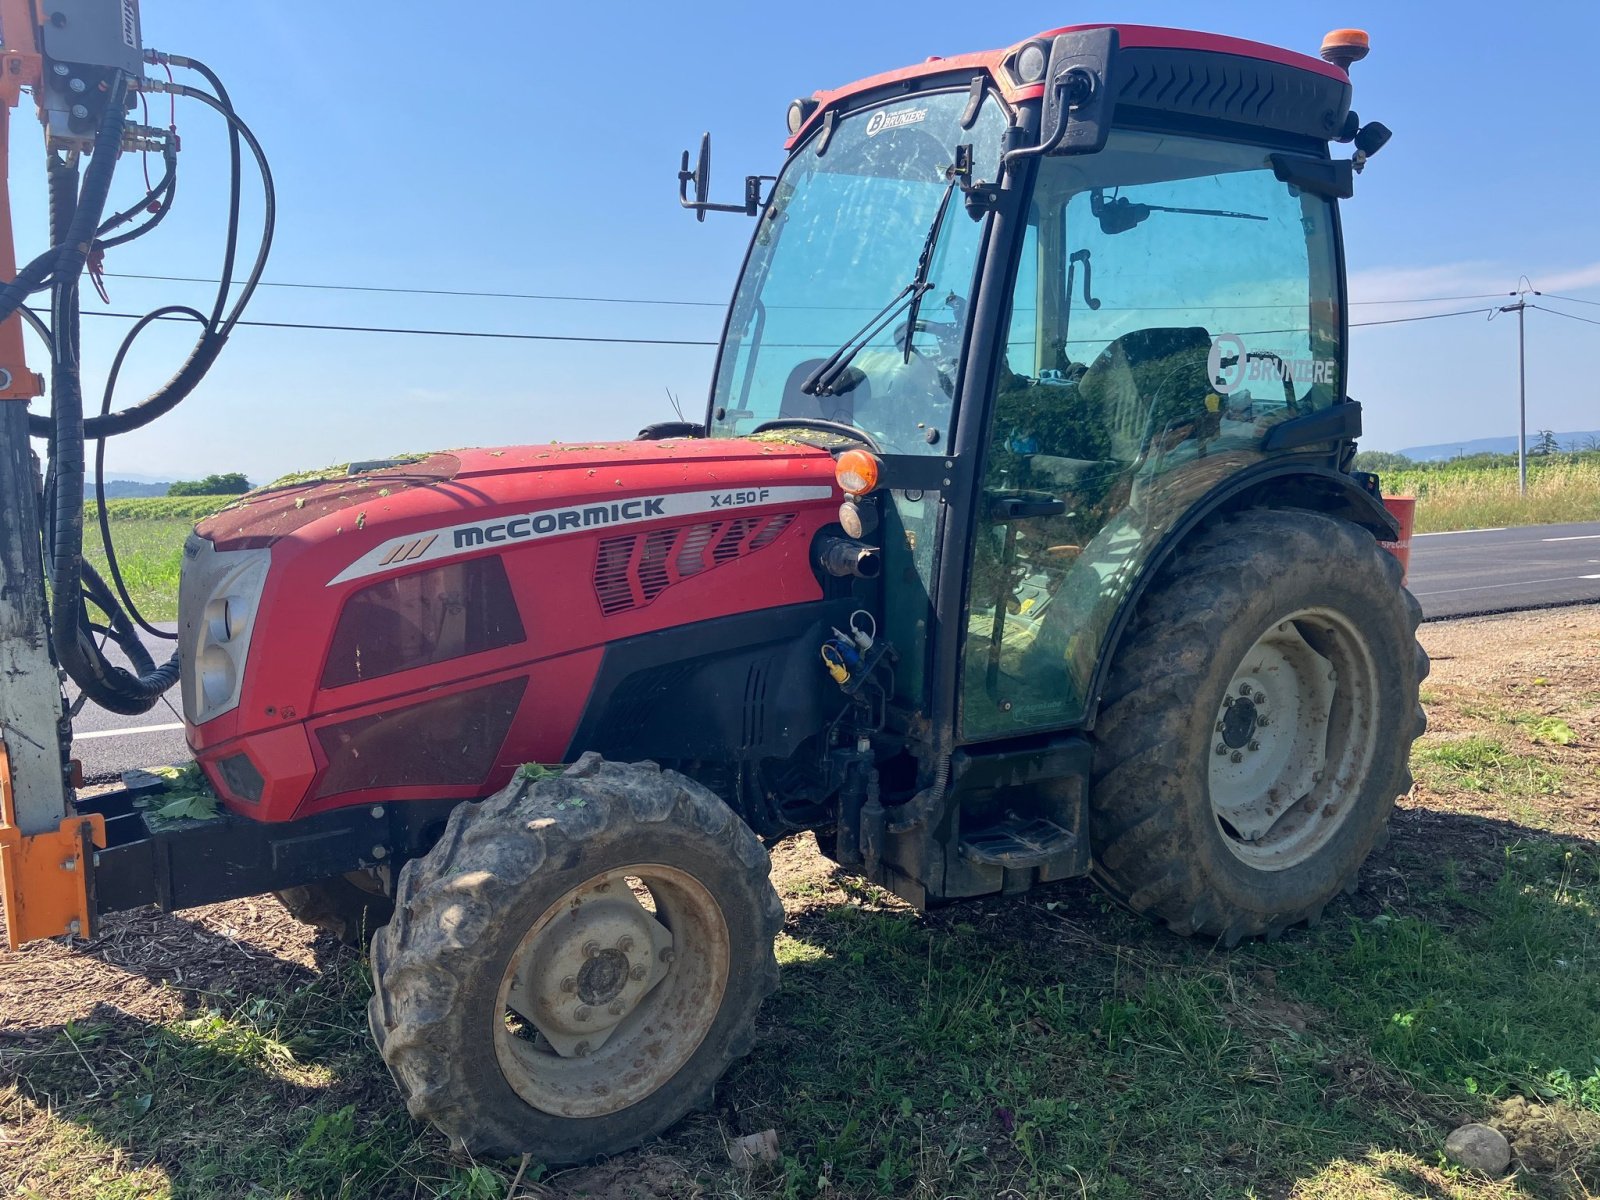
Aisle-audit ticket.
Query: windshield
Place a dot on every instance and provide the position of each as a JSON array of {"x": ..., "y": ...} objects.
[{"x": 840, "y": 240}]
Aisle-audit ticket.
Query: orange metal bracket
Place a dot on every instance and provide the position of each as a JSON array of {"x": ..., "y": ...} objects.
[
  {"x": 46, "y": 878},
  {"x": 20, "y": 67}
]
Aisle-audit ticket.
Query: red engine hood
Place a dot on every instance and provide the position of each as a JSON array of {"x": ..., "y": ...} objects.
[{"x": 460, "y": 480}]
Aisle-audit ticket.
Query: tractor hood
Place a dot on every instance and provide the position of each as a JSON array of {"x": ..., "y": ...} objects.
[
  {"x": 430, "y": 602},
  {"x": 640, "y": 480}
]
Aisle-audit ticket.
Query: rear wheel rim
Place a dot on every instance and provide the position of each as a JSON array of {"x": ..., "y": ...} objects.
[
  {"x": 612, "y": 990},
  {"x": 1292, "y": 740}
]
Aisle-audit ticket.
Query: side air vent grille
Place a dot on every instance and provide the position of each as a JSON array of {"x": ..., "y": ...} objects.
[{"x": 631, "y": 571}]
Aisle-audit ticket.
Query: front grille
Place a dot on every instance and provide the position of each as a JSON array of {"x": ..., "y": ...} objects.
[{"x": 631, "y": 571}]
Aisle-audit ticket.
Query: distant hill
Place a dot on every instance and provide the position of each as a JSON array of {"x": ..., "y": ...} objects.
[
  {"x": 1496, "y": 445},
  {"x": 121, "y": 489}
]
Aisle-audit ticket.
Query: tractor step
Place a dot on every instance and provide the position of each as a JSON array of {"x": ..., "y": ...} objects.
[{"x": 1018, "y": 843}]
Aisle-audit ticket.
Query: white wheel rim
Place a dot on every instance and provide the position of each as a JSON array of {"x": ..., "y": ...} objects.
[
  {"x": 606, "y": 998},
  {"x": 1292, "y": 739}
]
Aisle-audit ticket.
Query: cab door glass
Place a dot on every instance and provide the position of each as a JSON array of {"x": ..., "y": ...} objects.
[{"x": 1174, "y": 301}]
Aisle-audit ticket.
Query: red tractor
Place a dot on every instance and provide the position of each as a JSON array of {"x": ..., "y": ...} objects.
[{"x": 1019, "y": 542}]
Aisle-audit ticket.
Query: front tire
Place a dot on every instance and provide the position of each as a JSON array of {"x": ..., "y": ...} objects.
[
  {"x": 1256, "y": 726},
  {"x": 574, "y": 965}
]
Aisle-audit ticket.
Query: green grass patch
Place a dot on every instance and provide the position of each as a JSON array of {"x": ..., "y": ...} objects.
[
  {"x": 1483, "y": 764},
  {"x": 1503, "y": 1001},
  {"x": 150, "y": 553},
  {"x": 164, "y": 508}
]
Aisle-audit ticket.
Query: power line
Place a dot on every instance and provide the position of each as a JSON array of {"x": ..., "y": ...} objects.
[
  {"x": 1433, "y": 299},
  {"x": 1465, "y": 312},
  {"x": 637, "y": 300},
  {"x": 630, "y": 341},
  {"x": 1569, "y": 316},
  {"x": 1572, "y": 299},
  {"x": 465, "y": 333},
  {"x": 412, "y": 291},
  {"x": 621, "y": 341}
]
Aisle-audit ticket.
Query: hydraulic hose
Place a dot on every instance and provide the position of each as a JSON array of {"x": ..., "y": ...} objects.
[
  {"x": 108, "y": 685},
  {"x": 215, "y": 336}
]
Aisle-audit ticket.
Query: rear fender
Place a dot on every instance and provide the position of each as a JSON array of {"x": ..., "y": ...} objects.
[{"x": 1310, "y": 485}]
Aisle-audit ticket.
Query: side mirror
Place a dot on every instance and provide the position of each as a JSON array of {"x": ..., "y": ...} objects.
[
  {"x": 1079, "y": 95},
  {"x": 1080, "y": 92},
  {"x": 700, "y": 177}
]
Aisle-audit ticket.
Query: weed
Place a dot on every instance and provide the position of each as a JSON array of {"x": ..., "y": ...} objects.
[{"x": 1483, "y": 764}]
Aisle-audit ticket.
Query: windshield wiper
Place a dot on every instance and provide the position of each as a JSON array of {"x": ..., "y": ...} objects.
[
  {"x": 1120, "y": 214},
  {"x": 821, "y": 381}
]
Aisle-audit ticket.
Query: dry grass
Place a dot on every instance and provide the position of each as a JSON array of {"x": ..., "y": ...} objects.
[{"x": 1450, "y": 498}]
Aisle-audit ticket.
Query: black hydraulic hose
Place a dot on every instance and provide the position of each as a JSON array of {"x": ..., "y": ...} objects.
[
  {"x": 108, "y": 685},
  {"x": 128, "y": 605},
  {"x": 269, "y": 196},
  {"x": 161, "y": 196},
  {"x": 235, "y": 172},
  {"x": 211, "y": 342}
]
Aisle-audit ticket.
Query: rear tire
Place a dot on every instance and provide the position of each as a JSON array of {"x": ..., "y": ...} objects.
[
  {"x": 350, "y": 907},
  {"x": 1206, "y": 813},
  {"x": 574, "y": 965}
]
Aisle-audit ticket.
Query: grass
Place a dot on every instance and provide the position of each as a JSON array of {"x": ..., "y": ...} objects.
[
  {"x": 1451, "y": 498},
  {"x": 166, "y": 508},
  {"x": 1483, "y": 764},
  {"x": 150, "y": 553},
  {"x": 1047, "y": 1047}
]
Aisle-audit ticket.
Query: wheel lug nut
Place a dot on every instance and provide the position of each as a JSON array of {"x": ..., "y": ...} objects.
[
  {"x": 1222, "y": 747},
  {"x": 625, "y": 944},
  {"x": 581, "y": 1013},
  {"x": 616, "y": 1008},
  {"x": 581, "y": 1050},
  {"x": 1236, "y": 757},
  {"x": 1227, "y": 702},
  {"x": 1254, "y": 746},
  {"x": 668, "y": 954},
  {"x": 1244, "y": 689},
  {"x": 591, "y": 949},
  {"x": 1219, "y": 726},
  {"x": 1259, "y": 697},
  {"x": 638, "y": 972},
  {"x": 569, "y": 984},
  {"x": 1262, "y": 722}
]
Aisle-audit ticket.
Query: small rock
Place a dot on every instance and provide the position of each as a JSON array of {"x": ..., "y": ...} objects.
[
  {"x": 754, "y": 1148},
  {"x": 1479, "y": 1148}
]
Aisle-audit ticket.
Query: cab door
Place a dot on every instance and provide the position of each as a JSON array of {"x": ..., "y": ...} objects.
[{"x": 1173, "y": 302}]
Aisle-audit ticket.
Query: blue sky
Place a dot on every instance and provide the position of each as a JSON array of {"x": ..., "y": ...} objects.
[{"x": 532, "y": 148}]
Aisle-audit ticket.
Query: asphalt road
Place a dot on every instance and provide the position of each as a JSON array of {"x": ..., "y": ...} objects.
[
  {"x": 108, "y": 744},
  {"x": 1453, "y": 574},
  {"x": 1500, "y": 570}
]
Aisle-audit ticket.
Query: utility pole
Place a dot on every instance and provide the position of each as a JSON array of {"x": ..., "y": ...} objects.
[{"x": 1522, "y": 293}]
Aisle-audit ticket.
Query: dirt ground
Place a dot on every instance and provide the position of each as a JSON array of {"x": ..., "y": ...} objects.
[{"x": 1527, "y": 685}]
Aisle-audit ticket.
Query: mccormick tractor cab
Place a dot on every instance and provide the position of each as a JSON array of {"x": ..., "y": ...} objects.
[{"x": 1019, "y": 542}]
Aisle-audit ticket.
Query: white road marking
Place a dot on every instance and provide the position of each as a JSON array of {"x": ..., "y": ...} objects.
[
  {"x": 1514, "y": 583},
  {"x": 1450, "y": 532},
  {"x": 105, "y": 733},
  {"x": 1577, "y": 537}
]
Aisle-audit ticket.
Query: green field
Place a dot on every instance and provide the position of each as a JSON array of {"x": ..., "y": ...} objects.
[
  {"x": 1473, "y": 493},
  {"x": 150, "y": 553},
  {"x": 1474, "y": 497}
]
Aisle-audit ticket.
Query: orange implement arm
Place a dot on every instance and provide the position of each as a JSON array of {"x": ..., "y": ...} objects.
[
  {"x": 20, "y": 67},
  {"x": 45, "y": 878}
]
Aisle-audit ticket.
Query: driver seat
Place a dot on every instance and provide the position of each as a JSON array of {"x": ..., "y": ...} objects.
[{"x": 1139, "y": 369}]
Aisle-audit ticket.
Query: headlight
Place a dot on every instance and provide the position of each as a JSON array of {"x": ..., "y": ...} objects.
[{"x": 217, "y": 602}]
